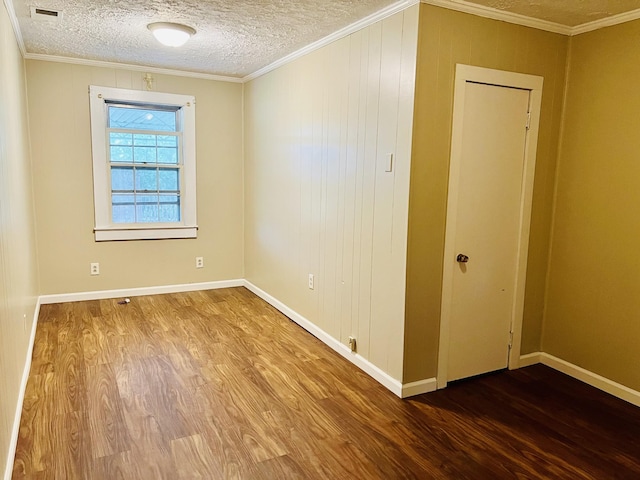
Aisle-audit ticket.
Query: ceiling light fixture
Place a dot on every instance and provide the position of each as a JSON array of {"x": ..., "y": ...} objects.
[{"x": 171, "y": 34}]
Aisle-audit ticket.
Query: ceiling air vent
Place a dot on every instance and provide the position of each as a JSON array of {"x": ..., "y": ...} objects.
[{"x": 45, "y": 14}]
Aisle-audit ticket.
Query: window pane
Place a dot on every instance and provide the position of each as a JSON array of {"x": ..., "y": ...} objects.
[
  {"x": 122, "y": 178},
  {"x": 168, "y": 179},
  {"x": 122, "y": 154},
  {"x": 144, "y": 154},
  {"x": 122, "y": 199},
  {"x": 147, "y": 179},
  {"x": 147, "y": 208},
  {"x": 116, "y": 138},
  {"x": 122, "y": 208},
  {"x": 144, "y": 140},
  {"x": 167, "y": 141},
  {"x": 138, "y": 118},
  {"x": 164, "y": 198},
  {"x": 169, "y": 208},
  {"x": 168, "y": 155}
]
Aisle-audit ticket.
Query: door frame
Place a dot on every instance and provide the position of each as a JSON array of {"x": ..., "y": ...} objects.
[{"x": 464, "y": 74}]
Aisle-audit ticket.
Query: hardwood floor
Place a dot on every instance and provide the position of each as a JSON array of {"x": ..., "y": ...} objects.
[{"x": 219, "y": 385}]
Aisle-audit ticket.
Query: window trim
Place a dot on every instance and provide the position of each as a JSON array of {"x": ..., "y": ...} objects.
[{"x": 104, "y": 229}]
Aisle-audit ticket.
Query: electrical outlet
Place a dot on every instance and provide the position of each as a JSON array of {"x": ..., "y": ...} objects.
[
  {"x": 95, "y": 269},
  {"x": 352, "y": 343},
  {"x": 199, "y": 262},
  {"x": 311, "y": 281}
]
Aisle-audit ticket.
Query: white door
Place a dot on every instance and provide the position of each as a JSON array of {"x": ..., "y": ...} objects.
[{"x": 488, "y": 216}]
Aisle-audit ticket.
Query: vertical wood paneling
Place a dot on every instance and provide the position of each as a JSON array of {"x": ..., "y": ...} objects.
[
  {"x": 343, "y": 154},
  {"x": 368, "y": 192},
  {"x": 333, "y": 211},
  {"x": 347, "y": 320},
  {"x": 402, "y": 171},
  {"x": 124, "y": 79},
  {"x": 360, "y": 146},
  {"x": 305, "y": 115},
  {"x": 318, "y": 113},
  {"x": 351, "y": 109},
  {"x": 394, "y": 53}
]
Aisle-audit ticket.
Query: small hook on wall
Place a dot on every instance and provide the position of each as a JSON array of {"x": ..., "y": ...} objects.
[{"x": 148, "y": 80}]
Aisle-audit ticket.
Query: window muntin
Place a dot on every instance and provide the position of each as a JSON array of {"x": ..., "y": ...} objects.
[{"x": 144, "y": 164}]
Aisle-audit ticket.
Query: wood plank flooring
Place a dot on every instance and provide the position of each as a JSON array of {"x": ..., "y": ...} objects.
[{"x": 219, "y": 385}]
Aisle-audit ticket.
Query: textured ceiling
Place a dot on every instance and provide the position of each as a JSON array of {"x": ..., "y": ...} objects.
[
  {"x": 234, "y": 37},
  {"x": 565, "y": 12}
]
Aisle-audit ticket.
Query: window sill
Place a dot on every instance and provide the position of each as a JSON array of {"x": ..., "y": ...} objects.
[{"x": 160, "y": 233}]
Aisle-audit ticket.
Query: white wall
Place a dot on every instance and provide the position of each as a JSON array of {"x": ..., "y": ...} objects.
[
  {"x": 317, "y": 197},
  {"x": 18, "y": 271}
]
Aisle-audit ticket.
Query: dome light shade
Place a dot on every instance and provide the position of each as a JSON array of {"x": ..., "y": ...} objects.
[{"x": 171, "y": 34}]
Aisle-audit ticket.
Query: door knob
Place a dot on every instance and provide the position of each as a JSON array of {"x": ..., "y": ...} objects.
[{"x": 461, "y": 258}]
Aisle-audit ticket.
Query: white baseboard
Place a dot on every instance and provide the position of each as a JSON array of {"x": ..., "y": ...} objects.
[
  {"x": 359, "y": 361},
  {"x": 417, "y": 388},
  {"x": 13, "y": 442},
  {"x": 529, "y": 359},
  {"x": 593, "y": 379},
  {"x": 598, "y": 381},
  {"x": 137, "y": 292}
]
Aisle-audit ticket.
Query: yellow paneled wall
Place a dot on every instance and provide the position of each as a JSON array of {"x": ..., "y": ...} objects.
[
  {"x": 446, "y": 38},
  {"x": 593, "y": 303},
  {"x": 318, "y": 199},
  {"x": 61, "y": 140},
  {"x": 18, "y": 270}
]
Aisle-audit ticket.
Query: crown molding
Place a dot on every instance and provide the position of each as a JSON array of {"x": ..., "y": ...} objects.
[
  {"x": 495, "y": 14},
  {"x": 343, "y": 32},
  {"x": 126, "y": 66},
  {"x": 16, "y": 26},
  {"x": 606, "y": 22}
]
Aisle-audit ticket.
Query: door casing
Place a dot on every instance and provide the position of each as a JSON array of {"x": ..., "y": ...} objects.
[{"x": 465, "y": 74}]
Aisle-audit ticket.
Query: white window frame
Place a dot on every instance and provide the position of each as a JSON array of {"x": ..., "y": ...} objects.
[{"x": 105, "y": 229}]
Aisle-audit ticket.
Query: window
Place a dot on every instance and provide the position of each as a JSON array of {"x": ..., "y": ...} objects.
[{"x": 143, "y": 164}]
